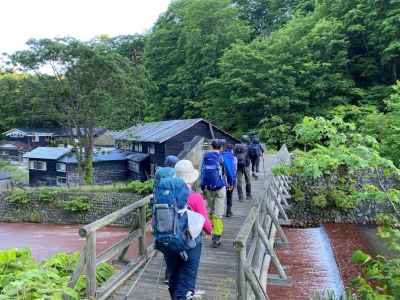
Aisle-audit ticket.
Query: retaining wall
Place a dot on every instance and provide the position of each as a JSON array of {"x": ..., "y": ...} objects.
[{"x": 101, "y": 204}]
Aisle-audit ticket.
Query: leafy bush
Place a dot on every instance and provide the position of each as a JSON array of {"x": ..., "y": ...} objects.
[
  {"x": 141, "y": 188},
  {"x": 319, "y": 201},
  {"x": 18, "y": 196},
  {"x": 77, "y": 205},
  {"x": 23, "y": 278},
  {"x": 47, "y": 195}
]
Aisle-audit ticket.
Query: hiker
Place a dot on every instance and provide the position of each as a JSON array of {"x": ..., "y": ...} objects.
[
  {"x": 230, "y": 168},
  {"x": 183, "y": 274},
  {"x": 256, "y": 151},
  {"x": 170, "y": 161},
  {"x": 212, "y": 184},
  {"x": 243, "y": 168}
]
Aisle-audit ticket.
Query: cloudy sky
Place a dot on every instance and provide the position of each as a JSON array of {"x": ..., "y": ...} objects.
[{"x": 21, "y": 20}]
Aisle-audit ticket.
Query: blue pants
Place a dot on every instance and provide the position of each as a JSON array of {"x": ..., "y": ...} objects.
[{"x": 183, "y": 274}]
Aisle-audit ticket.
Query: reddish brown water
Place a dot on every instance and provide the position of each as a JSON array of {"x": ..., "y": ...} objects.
[
  {"x": 47, "y": 239},
  {"x": 310, "y": 263},
  {"x": 347, "y": 238}
]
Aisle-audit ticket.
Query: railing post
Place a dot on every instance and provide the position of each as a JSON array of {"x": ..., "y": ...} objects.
[
  {"x": 142, "y": 228},
  {"x": 91, "y": 265},
  {"x": 241, "y": 277}
]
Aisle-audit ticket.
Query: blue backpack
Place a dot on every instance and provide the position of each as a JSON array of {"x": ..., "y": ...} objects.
[
  {"x": 170, "y": 219},
  {"x": 211, "y": 171},
  {"x": 229, "y": 167}
]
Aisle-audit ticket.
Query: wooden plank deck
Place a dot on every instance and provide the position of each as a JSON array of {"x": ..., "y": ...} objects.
[{"x": 217, "y": 273}]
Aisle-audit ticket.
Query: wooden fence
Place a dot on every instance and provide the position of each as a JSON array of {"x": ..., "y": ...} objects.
[
  {"x": 256, "y": 240},
  {"x": 89, "y": 259}
]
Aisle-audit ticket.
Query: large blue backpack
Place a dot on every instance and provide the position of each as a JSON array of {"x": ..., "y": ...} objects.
[
  {"x": 170, "y": 220},
  {"x": 211, "y": 171},
  {"x": 229, "y": 167}
]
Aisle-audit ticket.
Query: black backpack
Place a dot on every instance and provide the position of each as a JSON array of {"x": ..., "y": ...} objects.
[
  {"x": 254, "y": 150},
  {"x": 241, "y": 155}
]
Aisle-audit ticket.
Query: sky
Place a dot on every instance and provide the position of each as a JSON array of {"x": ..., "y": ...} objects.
[{"x": 21, "y": 20}]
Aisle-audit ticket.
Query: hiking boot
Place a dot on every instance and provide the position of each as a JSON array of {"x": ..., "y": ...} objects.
[
  {"x": 229, "y": 214},
  {"x": 249, "y": 197},
  {"x": 216, "y": 244}
]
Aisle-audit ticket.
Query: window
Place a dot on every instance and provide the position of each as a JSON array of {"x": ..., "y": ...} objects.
[
  {"x": 60, "y": 167},
  {"x": 61, "y": 180},
  {"x": 3, "y": 153},
  {"x": 152, "y": 149},
  {"x": 138, "y": 147},
  {"x": 37, "y": 165},
  {"x": 134, "y": 167}
]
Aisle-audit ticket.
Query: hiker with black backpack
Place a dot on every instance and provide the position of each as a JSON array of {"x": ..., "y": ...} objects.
[
  {"x": 256, "y": 151},
  {"x": 213, "y": 184},
  {"x": 179, "y": 217},
  {"x": 243, "y": 167},
  {"x": 230, "y": 167}
]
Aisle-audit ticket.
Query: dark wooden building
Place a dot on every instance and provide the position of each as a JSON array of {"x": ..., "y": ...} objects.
[
  {"x": 59, "y": 166},
  {"x": 160, "y": 139}
]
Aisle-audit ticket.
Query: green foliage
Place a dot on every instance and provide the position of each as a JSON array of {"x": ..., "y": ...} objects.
[
  {"x": 141, "y": 188},
  {"x": 182, "y": 54},
  {"x": 47, "y": 195},
  {"x": 22, "y": 277},
  {"x": 19, "y": 197},
  {"x": 319, "y": 201},
  {"x": 77, "y": 205}
]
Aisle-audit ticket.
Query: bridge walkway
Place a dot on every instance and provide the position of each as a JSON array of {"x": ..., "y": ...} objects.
[{"x": 217, "y": 273}]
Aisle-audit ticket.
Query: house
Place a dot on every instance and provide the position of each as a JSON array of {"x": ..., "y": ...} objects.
[
  {"x": 59, "y": 166},
  {"x": 160, "y": 139},
  {"x": 139, "y": 150},
  {"x": 12, "y": 150},
  {"x": 20, "y": 140}
]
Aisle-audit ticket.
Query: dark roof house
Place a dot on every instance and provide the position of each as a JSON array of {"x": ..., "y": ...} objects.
[
  {"x": 160, "y": 139},
  {"x": 59, "y": 166}
]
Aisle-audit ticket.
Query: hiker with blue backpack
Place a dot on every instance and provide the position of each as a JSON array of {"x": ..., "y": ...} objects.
[
  {"x": 179, "y": 217},
  {"x": 212, "y": 183},
  {"x": 230, "y": 167},
  {"x": 256, "y": 151}
]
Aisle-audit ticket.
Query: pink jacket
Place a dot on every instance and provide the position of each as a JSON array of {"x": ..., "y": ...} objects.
[{"x": 196, "y": 203}]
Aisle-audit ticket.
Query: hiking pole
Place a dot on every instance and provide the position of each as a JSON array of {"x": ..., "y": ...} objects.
[{"x": 132, "y": 288}]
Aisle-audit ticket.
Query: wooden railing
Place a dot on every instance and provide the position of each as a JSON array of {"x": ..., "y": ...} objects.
[
  {"x": 256, "y": 240},
  {"x": 89, "y": 259}
]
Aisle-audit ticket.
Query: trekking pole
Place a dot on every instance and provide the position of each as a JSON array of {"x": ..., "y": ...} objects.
[{"x": 132, "y": 288}]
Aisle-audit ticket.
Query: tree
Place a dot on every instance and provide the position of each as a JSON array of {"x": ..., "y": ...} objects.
[
  {"x": 183, "y": 50},
  {"x": 88, "y": 82},
  {"x": 298, "y": 70}
]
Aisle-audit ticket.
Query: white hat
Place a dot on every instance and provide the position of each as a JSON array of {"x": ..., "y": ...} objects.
[{"x": 185, "y": 170}]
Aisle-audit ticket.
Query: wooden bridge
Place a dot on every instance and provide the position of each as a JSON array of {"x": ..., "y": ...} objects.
[{"x": 239, "y": 269}]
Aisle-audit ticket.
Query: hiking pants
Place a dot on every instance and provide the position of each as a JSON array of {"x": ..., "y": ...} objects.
[
  {"x": 183, "y": 274},
  {"x": 243, "y": 174},
  {"x": 255, "y": 164},
  {"x": 229, "y": 195},
  {"x": 216, "y": 209}
]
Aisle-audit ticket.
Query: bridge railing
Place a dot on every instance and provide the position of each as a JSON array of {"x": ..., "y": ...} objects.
[
  {"x": 257, "y": 238},
  {"x": 90, "y": 259}
]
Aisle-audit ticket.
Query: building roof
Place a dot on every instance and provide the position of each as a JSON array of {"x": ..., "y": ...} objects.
[
  {"x": 158, "y": 132},
  {"x": 138, "y": 157},
  {"x": 53, "y": 131},
  {"x": 13, "y": 145},
  {"x": 101, "y": 156},
  {"x": 5, "y": 175},
  {"x": 51, "y": 153}
]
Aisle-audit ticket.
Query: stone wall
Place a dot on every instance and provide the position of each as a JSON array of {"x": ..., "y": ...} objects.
[
  {"x": 303, "y": 213},
  {"x": 101, "y": 204}
]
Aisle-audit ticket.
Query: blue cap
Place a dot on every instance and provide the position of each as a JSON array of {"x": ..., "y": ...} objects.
[{"x": 170, "y": 161}]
